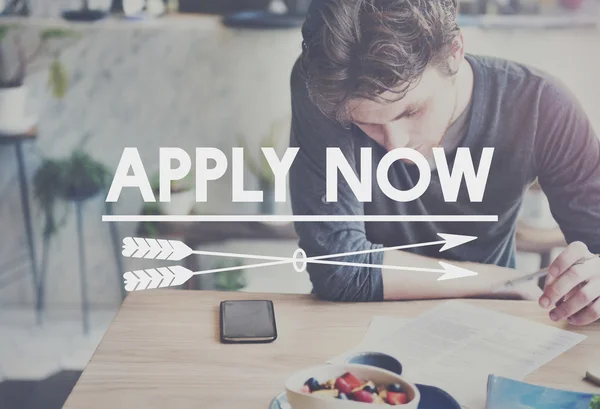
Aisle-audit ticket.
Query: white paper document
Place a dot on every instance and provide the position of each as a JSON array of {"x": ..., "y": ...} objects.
[
  {"x": 456, "y": 346},
  {"x": 382, "y": 326}
]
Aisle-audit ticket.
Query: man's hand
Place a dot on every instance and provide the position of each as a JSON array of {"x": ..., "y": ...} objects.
[
  {"x": 529, "y": 291},
  {"x": 574, "y": 289}
]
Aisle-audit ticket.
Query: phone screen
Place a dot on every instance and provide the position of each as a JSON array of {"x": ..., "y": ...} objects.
[{"x": 248, "y": 321}]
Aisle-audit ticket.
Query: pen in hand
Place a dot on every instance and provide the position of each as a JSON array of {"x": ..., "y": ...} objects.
[{"x": 542, "y": 273}]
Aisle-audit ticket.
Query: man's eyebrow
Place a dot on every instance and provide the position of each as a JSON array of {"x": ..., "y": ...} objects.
[{"x": 409, "y": 108}]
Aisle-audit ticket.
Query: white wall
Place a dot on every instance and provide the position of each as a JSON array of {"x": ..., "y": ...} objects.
[{"x": 145, "y": 87}]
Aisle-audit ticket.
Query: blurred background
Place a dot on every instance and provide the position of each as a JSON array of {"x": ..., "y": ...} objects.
[{"x": 82, "y": 80}]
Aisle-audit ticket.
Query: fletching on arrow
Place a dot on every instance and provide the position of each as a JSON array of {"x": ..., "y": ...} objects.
[
  {"x": 138, "y": 247},
  {"x": 156, "y": 278}
]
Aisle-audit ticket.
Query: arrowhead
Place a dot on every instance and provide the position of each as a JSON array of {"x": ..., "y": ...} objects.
[
  {"x": 454, "y": 240},
  {"x": 453, "y": 272}
]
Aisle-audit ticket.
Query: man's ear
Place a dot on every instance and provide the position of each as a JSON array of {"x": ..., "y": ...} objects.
[{"x": 457, "y": 53}]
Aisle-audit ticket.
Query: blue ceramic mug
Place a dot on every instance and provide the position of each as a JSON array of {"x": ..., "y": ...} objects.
[{"x": 376, "y": 359}]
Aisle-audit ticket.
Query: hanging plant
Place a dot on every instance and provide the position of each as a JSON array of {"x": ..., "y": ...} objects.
[
  {"x": 15, "y": 61},
  {"x": 58, "y": 181}
]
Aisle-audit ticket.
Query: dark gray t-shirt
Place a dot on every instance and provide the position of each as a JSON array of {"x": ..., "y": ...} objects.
[{"x": 538, "y": 130}]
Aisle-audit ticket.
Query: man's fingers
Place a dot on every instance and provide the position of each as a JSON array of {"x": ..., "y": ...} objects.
[
  {"x": 577, "y": 300},
  {"x": 565, "y": 283},
  {"x": 588, "y": 315},
  {"x": 572, "y": 254},
  {"x": 570, "y": 294},
  {"x": 548, "y": 280}
]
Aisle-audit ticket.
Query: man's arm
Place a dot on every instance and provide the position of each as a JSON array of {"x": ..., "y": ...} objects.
[
  {"x": 567, "y": 160},
  {"x": 400, "y": 285},
  {"x": 567, "y": 154},
  {"x": 312, "y": 133}
]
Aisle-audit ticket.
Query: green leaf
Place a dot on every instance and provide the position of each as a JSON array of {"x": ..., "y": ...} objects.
[
  {"x": 56, "y": 177},
  {"x": 58, "y": 79},
  {"x": 5, "y": 28},
  {"x": 230, "y": 280},
  {"x": 3, "y": 32},
  {"x": 51, "y": 33},
  {"x": 595, "y": 402},
  {"x": 49, "y": 188},
  {"x": 258, "y": 167}
]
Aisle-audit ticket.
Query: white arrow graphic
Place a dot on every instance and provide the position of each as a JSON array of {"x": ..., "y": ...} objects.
[
  {"x": 449, "y": 271},
  {"x": 138, "y": 247},
  {"x": 176, "y": 275},
  {"x": 175, "y": 250},
  {"x": 156, "y": 277}
]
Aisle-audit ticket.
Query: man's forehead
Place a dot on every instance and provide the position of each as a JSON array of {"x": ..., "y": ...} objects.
[
  {"x": 363, "y": 110},
  {"x": 368, "y": 111}
]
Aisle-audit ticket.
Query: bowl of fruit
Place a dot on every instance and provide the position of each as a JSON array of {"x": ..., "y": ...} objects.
[{"x": 349, "y": 386}]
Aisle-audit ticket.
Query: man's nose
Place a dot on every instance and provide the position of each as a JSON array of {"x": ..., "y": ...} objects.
[{"x": 395, "y": 136}]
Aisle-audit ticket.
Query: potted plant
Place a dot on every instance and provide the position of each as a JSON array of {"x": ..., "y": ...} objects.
[
  {"x": 260, "y": 167},
  {"x": 14, "y": 8},
  {"x": 150, "y": 229},
  {"x": 234, "y": 280},
  {"x": 14, "y": 63},
  {"x": 183, "y": 196},
  {"x": 59, "y": 181}
]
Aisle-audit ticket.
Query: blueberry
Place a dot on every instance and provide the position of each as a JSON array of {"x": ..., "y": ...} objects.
[
  {"x": 342, "y": 396},
  {"x": 394, "y": 387},
  {"x": 313, "y": 384},
  {"x": 370, "y": 389}
]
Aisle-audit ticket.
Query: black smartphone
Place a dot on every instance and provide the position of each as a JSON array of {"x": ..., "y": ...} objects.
[{"x": 248, "y": 321}]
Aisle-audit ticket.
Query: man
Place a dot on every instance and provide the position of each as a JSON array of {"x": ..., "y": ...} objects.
[{"x": 390, "y": 74}]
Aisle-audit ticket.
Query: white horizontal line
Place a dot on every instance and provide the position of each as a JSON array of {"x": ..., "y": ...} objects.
[{"x": 291, "y": 219}]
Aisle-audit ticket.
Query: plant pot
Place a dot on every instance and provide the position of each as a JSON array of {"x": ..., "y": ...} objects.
[
  {"x": 13, "y": 118},
  {"x": 181, "y": 203},
  {"x": 221, "y": 6},
  {"x": 267, "y": 206},
  {"x": 84, "y": 15}
]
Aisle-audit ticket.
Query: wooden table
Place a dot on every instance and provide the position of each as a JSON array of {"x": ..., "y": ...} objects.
[{"x": 162, "y": 350}]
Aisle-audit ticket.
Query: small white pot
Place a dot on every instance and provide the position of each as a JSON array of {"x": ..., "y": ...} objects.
[
  {"x": 180, "y": 204},
  {"x": 13, "y": 118}
]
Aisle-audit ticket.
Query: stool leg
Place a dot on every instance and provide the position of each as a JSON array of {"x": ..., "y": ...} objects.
[
  {"x": 28, "y": 226},
  {"x": 117, "y": 250},
  {"x": 41, "y": 290},
  {"x": 82, "y": 266}
]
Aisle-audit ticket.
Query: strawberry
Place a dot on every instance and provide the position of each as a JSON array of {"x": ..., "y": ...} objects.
[
  {"x": 397, "y": 398},
  {"x": 342, "y": 385},
  {"x": 363, "y": 396},
  {"x": 352, "y": 380}
]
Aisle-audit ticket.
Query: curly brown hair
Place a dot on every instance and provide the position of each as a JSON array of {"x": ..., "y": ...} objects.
[{"x": 359, "y": 49}]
